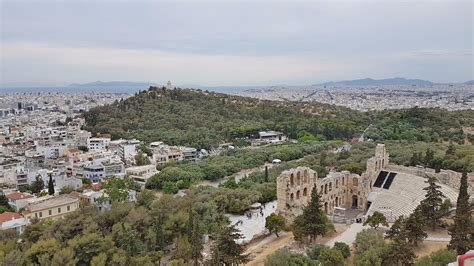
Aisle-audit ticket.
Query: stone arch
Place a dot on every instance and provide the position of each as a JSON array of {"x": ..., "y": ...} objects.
[
  {"x": 383, "y": 162},
  {"x": 305, "y": 192},
  {"x": 343, "y": 181},
  {"x": 337, "y": 183},
  {"x": 297, "y": 194},
  {"x": 322, "y": 190},
  {"x": 292, "y": 180},
  {"x": 355, "y": 182},
  {"x": 326, "y": 207},
  {"x": 337, "y": 201},
  {"x": 298, "y": 178},
  {"x": 292, "y": 197},
  {"x": 355, "y": 202},
  {"x": 326, "y": 189},
  {"x": 330, "y": 186}
]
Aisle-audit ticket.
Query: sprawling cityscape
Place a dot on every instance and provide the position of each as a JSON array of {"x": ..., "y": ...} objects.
[
  {"x": 447, "y": 96},
  {"x": 376, "y": 170}
]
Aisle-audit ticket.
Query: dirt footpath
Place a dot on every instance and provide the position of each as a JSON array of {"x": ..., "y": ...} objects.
[{"x": 259, "y": 251}]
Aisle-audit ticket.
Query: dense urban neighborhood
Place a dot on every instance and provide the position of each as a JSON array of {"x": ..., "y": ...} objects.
[
  {"x": 368, "y": 98},
  {"x": 256, "y": 186}
]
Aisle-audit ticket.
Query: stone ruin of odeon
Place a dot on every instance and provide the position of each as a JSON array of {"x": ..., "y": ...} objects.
[{"x": 390, "y": 189}]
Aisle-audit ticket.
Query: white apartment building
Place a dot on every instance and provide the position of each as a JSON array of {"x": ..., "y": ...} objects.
[
  {"x": 94, "y": 172},
  {"x": 127, "y": 151},
  {"x": 52, "y": 151},
  {"x": 96, "y": 144},
  {"x": 141, "y": 174}
]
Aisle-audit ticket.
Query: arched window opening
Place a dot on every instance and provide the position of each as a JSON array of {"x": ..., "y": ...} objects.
[{"x": 355, "y": 182}]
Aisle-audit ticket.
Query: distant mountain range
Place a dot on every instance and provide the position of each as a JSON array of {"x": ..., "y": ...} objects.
[
  {"x": 469, "y": 82},
  {"x": 113, "y": 84},
  {"x": 376, "y": 82}
]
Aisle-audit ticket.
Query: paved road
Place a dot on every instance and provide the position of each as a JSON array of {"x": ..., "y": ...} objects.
[
  {"x": 350, "y": 234},
  {"x": 347, "y": 236},
  {"x": 250, "y": 227}
]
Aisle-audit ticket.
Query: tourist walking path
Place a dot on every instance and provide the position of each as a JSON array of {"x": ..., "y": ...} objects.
[{"x": 347, "y": 236}]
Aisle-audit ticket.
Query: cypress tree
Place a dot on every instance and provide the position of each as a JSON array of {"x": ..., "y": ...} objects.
[
  {"x": 462, "y": 231},
  {"x": 266, "y": 173},
  {"x": 429, "y": 157},
  {"x": 314, "y": 219},
  {"x": 430, "y": 206},
  {"x": 50, "y": 185},
  {"x": 226, "y": 251},
  {"x": 194, "y": 237}
]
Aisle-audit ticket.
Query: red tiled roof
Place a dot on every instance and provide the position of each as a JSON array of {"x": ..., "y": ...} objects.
[
  {"x": 74, "y": 149},
  {"x": 18, "y": 195},
  {"x": 8, "y": 216}
]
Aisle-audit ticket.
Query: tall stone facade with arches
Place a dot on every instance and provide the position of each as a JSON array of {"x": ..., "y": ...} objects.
[{"x": 337, "y": 189}]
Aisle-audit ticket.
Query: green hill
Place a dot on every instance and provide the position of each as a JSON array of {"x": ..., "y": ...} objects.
[{"x": 204, "y": 119}]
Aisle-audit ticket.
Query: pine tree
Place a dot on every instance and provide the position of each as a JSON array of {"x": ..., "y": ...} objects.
[
  {"x": 322, "y": 159},
  {"x": 462, "y": 231},
  {"x": 430, "y": 206},
  {"x": 397, "y": 232},
  {"x": 450, "y": 151},
  {"x": 429, "y": 157},
  {"x": 50, "y": 185},
  {"x": 400, "y": 252},
  {"x": 376, "y": 219},
  {"x": 225, "y": 250},
  {"x": 37, "y": 185},
  {"x": 413, "y": 159},
  {"x": 414, "y": 228},
  {"x": 314, "y": 219}
]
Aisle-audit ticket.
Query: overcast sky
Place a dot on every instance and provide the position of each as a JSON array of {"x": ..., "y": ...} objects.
[{"x": 54, "y": 43}]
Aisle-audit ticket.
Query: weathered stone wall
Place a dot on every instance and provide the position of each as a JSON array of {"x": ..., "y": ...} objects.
[
  {"x": 294, "y": 189},
  {"x": 337, "y": 189}
]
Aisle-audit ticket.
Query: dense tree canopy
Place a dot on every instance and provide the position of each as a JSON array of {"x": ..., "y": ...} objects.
[
  {"x": 125, "y": 235},
  {"x": 204, "y": 119}
]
